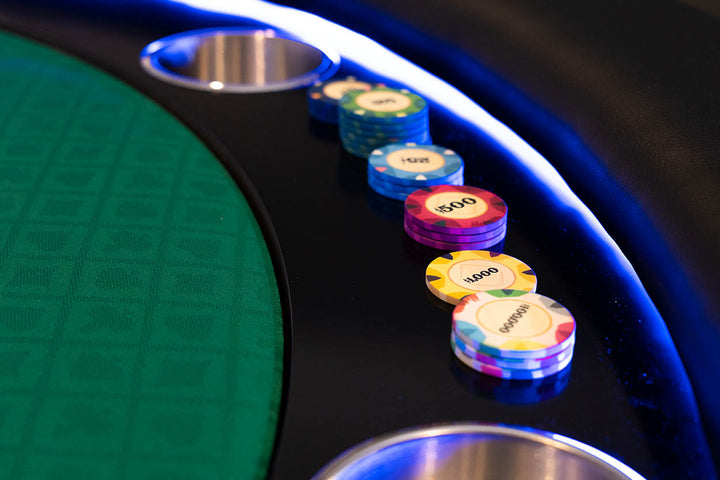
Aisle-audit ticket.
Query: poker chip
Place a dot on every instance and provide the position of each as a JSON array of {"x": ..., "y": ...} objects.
[
  {"x": 378, "y": 140},
  {"x": 453, "y": 180},
  {"x": 454, "y": 275},
  {"x": 513, "y": 324},
  {"x": 323, "y": 97},
  {"x": 415, "y": 165},
  {"x": 371, "y": 119},
  {"x": 440, "y": 245},
  {"x": 455, "y": 239},
  {"x": 510, "y": 374},
  {"x": 511, "y": 363},
  {"x": 512, "y": 334},
  {"x": 455, "y": 217},
  {"x": 397, "y": 170},
  {"x": 383, "y": 105},
  {"x": 376, "y": 130},
  {"x": 458, "y": 210}
]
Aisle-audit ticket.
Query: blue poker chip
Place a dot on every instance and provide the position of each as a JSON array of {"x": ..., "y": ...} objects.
[
  {"x": 457, "y": 178},
  {"x": 417, "y": 165},
  {"x": 373, "y": 175},
  {"x": 374, "y": 143},
  {"x": 358, "y": 132}
]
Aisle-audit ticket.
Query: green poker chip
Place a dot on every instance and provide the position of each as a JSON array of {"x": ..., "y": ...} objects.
[
  {"x": 360, "y": 131},
  {"x": 383, "y": 104},
  {"x": 415, "y": 123}
]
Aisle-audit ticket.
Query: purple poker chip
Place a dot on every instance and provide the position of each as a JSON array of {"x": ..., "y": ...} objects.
[
  {"x": 455, "y": 246},
  {"x": 449, "y": 238},
  {"x": 455, "y": 230}
]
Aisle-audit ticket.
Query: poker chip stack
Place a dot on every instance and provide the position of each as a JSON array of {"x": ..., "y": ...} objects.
[
  {"x": 455, "y": 217},
  {"x": 398, "y": 169},
  {"x": 374, "y": 118},
  {"x": 513, "y": 334},
  {"x": 323, "y": 97}
]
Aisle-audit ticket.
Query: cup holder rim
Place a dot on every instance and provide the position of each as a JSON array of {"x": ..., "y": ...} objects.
[
  {"x": 150, "y": 61},
  {"x": 346, "y": 460}
]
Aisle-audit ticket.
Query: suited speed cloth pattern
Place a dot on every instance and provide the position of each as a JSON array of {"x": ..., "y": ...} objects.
[{"x": 140, "y": 321}]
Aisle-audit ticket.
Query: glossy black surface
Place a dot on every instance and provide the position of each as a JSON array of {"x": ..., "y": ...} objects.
[
  {"x": 370, "y": 347},
  {"x": 622, "y": 97}
]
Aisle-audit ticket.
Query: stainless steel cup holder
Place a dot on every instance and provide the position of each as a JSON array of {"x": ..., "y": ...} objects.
[
  {"x": 474, "y": 451},
  {"x": 237, "y": 60}
]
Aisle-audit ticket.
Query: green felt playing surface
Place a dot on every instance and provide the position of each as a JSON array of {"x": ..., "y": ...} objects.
[{"x": 140, "y": 322}]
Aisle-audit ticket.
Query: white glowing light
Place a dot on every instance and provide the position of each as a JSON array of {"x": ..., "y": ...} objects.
[{"x": 216, "y": 85}]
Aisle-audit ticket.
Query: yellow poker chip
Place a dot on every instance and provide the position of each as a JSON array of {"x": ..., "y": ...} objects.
[{"x": 452, "y": 276}]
